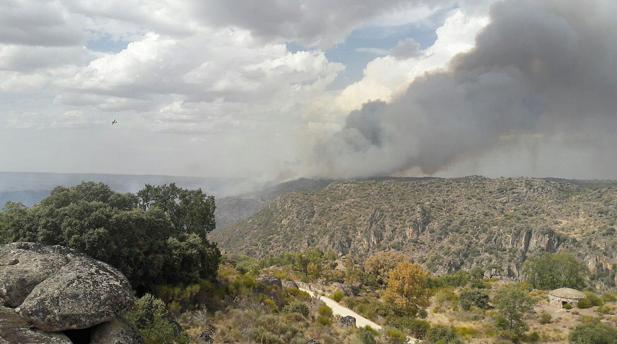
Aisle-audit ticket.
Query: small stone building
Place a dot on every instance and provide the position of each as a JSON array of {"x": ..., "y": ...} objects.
[{"x": 563, "y": 296}]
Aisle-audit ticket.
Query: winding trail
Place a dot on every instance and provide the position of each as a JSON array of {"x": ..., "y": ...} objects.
[{"x": 342, "y": 311}]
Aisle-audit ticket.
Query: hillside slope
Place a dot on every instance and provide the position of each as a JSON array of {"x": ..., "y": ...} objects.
[{"x": 444, "y": 224}]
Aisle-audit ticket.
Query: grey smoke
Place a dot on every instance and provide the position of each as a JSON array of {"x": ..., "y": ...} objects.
[{"x": 542, "y": 70}]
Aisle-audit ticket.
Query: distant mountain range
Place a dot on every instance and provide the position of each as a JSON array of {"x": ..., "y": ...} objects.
[
  {"x": 29, "y": 188},
  {"x": 444, "y": 224}
]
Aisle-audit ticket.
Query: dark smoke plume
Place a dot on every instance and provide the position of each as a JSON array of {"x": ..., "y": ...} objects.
[{"x": 542, "y": 70}]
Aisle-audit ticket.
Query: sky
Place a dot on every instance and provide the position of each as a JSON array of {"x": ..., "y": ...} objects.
[{"x": 274, "y": 90}]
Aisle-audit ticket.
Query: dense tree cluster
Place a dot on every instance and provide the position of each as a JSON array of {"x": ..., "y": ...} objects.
[
  {"x": 157, "y": 236},
  {"x": 552, "y": 271}
]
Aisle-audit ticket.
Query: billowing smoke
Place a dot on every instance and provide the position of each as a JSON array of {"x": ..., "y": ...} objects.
[{"x": 542, "y": 71}]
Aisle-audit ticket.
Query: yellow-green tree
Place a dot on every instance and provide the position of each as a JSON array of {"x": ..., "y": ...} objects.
[
  {"x": 407, "y": 290},
  {"x": 378, "y": 266}
]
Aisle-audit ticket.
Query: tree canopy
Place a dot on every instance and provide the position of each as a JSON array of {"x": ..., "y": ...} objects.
[
  {"x": 512, "y": 302},
  {"x": 155, "y": 237},
  {"x": 407, "y": 289},
  {"x": 557, "y": 270}
]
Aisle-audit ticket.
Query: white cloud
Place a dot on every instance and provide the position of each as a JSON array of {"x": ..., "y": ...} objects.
[
  {"x": 214, "y": 78},
  {"x": 43, "y": 22},
  {"x": 387, "y": 76}
]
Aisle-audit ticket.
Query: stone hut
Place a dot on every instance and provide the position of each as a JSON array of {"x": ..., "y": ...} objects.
[{"x": 563, "y": 296}]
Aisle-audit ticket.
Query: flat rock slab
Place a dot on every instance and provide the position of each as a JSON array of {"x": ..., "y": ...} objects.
[
  {"x": 14, "y": 329},
  {"x": 82, "y": 294},
  {"x": 24, "y": 265}
]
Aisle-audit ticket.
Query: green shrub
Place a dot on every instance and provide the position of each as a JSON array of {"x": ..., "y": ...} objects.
[
  {"x": 594, "y": 299},
  {"x": 606, "y": 309},
  {"x": 609, "y": 297},
  {"x": 337, "y": 296},
  {"x": 532, "y": 337},
  {"x": 394, "y": 336},
  {"x": 324, "y": 320},
  {"x": 568, "y": 306},
  {"x": 366, "y": 336},
  {"x": 473, "y": 297},
  {"x": 442, "y": 335},
  {"x": 325, "y": 311},
  {"x": 593, "y": 333},
  {"x": 584, "y": 303},
  {"x": 297, "y": 307},
  {"x": 545, "y": 318},
  {"x": 417, "y": 328},
  {"x": 151, "y": 318}
]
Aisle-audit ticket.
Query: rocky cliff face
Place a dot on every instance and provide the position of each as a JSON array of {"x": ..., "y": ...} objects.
[{"x": 444, "y": 224}]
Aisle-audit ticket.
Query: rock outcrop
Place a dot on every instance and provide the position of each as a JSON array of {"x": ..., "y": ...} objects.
[
  {"x": 82, "y": 294},
  {"x": 14, "y": 329},
  {"x": 25, "y": 265},
  {"x": 54, "y": 289}
]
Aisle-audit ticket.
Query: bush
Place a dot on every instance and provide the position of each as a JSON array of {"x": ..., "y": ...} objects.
[
  {"x": 324, "y": 321},
  {"x": 442, "y": 335},
  {"x": 337, "y": 296},
  {"x": 366, "y": 336},
  {"x": 394, "y": 336},
  {"x": 567, "y": 306},
  {"x": 473, "y": 297},
  {"x": 606, "y": 309},
  {"x": 297, "y": 307},
  {"x": 594, "y": 333},
  {"x": 552, "y": 271},
  {"x": 545, "y": 318},
  {"x": 417, "y": 328},
  {"x": 325, "y": 311},
  {"x": 594, "y": 299},
  {"x": 151, "y": 318},
  {"x": 155, "y": 237},
  {"x": 609, "y": 297},
  {"x": 533, "y": 337},
  {"x": 584, "y": 303}
]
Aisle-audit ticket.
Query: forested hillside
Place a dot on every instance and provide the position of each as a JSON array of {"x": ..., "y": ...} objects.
[{"x": 444, "y": 224}]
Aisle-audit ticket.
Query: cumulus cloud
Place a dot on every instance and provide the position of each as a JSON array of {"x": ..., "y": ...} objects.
[
  {"x": 387, "y": 76},
  {"x": 541, "y": 70},
  {"x": 44, "y": 22},
  {"x": 313, "y": 23}
]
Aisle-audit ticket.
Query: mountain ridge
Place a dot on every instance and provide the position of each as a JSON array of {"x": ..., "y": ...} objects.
[{"x": 444, "y": 224}]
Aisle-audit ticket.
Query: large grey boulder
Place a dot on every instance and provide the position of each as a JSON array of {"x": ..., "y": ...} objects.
[
  {"x": 24, "y": 265},
  {"x": 83, "y": 293},
  {"x": 115, "y": 332},
  {"x": 14, "y": 329}
]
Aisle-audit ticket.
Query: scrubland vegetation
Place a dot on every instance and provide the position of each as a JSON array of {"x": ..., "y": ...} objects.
[{"x": 188, "y": 293}]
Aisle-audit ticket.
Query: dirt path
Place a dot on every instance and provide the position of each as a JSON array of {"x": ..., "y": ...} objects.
[{"x": 342, "y": 311}]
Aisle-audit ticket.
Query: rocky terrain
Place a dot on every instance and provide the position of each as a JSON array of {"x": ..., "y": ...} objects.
[
  {"x": 50, "y": 294},
  {"x": 444, "y": 224},
  {"x": 233, "y": 209}
]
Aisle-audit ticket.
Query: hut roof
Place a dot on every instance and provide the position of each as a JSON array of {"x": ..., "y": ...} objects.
[{"x": 567, "y": 293}]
